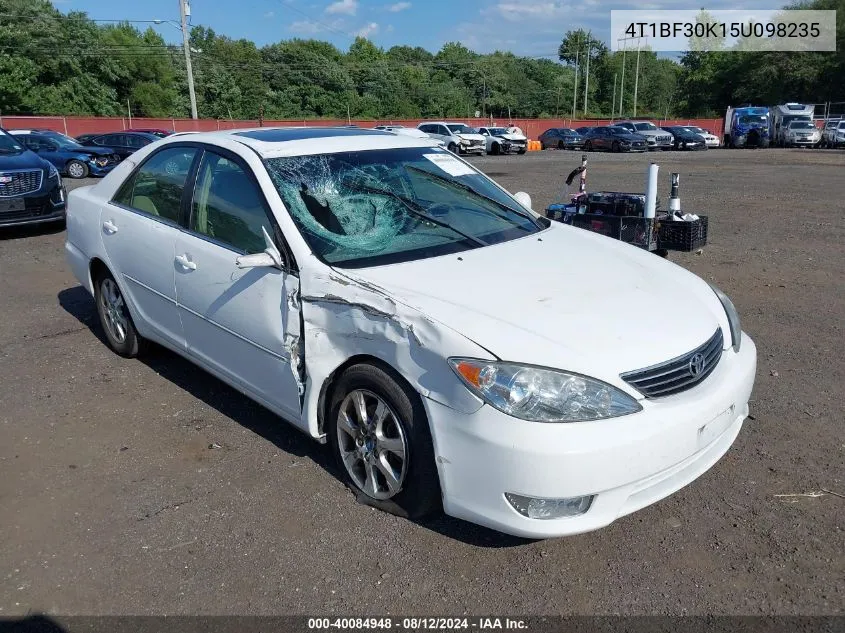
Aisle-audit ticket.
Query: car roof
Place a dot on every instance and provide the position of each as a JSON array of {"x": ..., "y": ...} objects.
[
  {"x": 33, "y": 130},
  {"x": 299, "y": 141}
]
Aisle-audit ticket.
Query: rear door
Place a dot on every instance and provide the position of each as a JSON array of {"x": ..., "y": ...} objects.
[
  {"x": 242, "y": 324},
  {"x": 139, "y": 227}
]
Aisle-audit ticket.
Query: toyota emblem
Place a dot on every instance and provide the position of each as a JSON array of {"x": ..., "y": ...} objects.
[{"x": 696, "y": 365}]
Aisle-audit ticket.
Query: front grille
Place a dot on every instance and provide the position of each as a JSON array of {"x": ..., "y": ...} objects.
[
  {"x": 678, "y": 374},
  {"x": 663, "y": 138},
  {"x": 20, "y": 182}
]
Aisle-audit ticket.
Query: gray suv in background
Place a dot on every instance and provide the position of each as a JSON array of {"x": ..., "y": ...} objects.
[{"x": 655, "y": 137}]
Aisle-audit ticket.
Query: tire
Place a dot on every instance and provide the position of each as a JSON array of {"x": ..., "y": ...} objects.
[
  {"x": 588, "y": 146},
  {"x": 616, "y": 148},
  {"x": 560, "y": 145},
  {"x": 415, "y": 492},
  {"x": 114, "y": 318},
  {"x": 76, "y": 169},
  {"x": 496, "y": 149},
  {"x": 453, "y": 148},
  {"x": 521, "y": 151}
]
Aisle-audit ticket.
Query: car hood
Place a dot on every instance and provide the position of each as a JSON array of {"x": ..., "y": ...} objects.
[
  {"x": 24, "y": 160},
  {"x": 472, "y": 137},
  {"x": 513, "y": 137},
  {"x": 653, "y": 133},
  {"x": 94, "y": 151},
  {"x": 631, "y": 137},
  {"x": 564, "y": 298}
]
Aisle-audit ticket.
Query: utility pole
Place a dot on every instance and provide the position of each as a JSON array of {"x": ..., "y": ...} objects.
[
  {"x": 637, "y": 77},
  {"x": 613, "y": 101},
  {"x": 622, "y": 84},
  {"x": 587, "y": 77},
  {"x": 184, "y": 11},
  {"x": 575, "y": 90}
]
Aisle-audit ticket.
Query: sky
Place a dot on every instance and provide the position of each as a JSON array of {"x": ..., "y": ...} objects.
[{"x": 524, "y": 27}]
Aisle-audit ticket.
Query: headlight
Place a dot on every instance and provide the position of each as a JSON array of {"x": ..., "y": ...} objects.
[
  {"x": 538, "y": 394},
  {"x": 464, "y": 141},
  {"x": 733, "y": 317},
  {"x": 52, "y": 172}
]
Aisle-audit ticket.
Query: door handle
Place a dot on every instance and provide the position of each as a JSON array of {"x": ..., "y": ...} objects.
[
  {"x": 110, "y": 227},
  {"x": 185, "y": 263}
]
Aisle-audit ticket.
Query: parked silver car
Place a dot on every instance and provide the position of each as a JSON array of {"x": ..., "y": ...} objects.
[
  {"x": 834, "y": 133},
  {"x": 655, "y": 137}
]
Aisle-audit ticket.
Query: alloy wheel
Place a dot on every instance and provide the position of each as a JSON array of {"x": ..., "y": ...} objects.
[
  {"x": 372, "y": 444},
  {"x": 76, "y": 170},
  {"x": 114, "y": 310}
]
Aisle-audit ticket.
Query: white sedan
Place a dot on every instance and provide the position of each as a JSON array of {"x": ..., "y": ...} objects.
[{"x": 371, "y": 289}]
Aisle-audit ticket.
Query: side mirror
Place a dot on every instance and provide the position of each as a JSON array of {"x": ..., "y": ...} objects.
[
  {"x": 524, "y": 199},
  {"x": 270, "y": 258}
]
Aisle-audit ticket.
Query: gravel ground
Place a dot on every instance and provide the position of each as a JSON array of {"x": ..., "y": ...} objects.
[{"x": 113, "y": 503}]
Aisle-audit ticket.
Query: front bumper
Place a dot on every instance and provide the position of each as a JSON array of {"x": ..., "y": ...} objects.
[
  {"x": 95, "y": 170},
  {"x": 654, "y": 144},
  {"x": 801, "y": 142},
  {"x": 634, "y": 148},
  {"x": 627, "y": 463},
  {"x": 44, "y": 205}
]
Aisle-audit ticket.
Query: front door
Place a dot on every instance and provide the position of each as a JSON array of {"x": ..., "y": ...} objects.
[
  {"x": 139, "y": 228},
  {"x": 242, "y": 324}
]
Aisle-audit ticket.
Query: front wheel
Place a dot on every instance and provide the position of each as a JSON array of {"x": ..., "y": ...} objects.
[
  {"x": 77, "y": 169},
  {"x": 379, "y": 435},
  {"x": 616, "y": 147},
  {"x": 521, "y": 152},
  {"x": 588, "y": 146},
  {"x": 495, "y": 149},
  {"x": 115, "y": 319},
  {"x": 453, "y": 148}
]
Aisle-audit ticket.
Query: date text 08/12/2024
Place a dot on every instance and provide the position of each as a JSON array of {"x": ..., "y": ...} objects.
[
  {"x": 722, "y": 29},
  {"x": 418, "y": 623}
]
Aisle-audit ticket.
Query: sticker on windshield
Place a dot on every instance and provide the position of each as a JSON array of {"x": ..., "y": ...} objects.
[{"x": 450, "y": 164}]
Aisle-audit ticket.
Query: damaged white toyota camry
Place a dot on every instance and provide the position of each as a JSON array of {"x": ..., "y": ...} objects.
[{"x": 453, "y": 348}]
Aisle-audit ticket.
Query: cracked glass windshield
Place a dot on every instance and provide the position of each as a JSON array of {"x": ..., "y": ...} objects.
[{"x": 375, "y": 207}]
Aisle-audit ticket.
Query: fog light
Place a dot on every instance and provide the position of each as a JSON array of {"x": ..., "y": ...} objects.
[{"x": 549, "y": 508}]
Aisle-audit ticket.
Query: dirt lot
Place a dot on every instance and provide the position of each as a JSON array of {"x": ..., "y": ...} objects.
[{"x": 113, "y": 503}]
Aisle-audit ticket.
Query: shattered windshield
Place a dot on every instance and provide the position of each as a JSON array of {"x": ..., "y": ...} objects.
[
  {"x": 375, "y": 207},
  {"x": 460, "y": 128}
]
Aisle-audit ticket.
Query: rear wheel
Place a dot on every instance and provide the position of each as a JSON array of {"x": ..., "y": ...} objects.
[
  {"x": 115, "y": 319},
  {"x": 379, "y": 434},
  {"x": 77, "y": 169}
]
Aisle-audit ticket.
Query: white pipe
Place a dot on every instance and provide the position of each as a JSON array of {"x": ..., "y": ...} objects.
[{"x": 651, "y": 191}]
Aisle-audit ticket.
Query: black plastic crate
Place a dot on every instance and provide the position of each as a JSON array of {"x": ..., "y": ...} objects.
[
  {"x": 676, "y": 235},
  {"x": 633, "y": 230},
  {"x": 616, "y": 203}
]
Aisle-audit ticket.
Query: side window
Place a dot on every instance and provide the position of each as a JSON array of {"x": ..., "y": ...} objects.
[
  {"x": 427, "y": 128},
  {"x": 445, "y": 131},
  {"x": 117, "y": 140},
  {"x": 136, "y": 141},
  {"x": 228, "y": 206},
  {"x": 156, "y": 188}
]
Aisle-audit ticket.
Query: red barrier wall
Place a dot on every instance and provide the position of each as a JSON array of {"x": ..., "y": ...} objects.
[{"x": 74, "y": 126}]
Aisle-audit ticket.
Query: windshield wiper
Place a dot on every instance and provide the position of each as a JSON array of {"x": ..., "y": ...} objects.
[
  {"x": 413, "y": 208},
  {"x": 465, "y": 187}
]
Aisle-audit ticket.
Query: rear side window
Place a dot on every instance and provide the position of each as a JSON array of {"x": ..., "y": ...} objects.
[
  {"x": 156, "y": 188},
  {"x": 136, "y": 141},
  {"x": 228, "y": 206}
]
